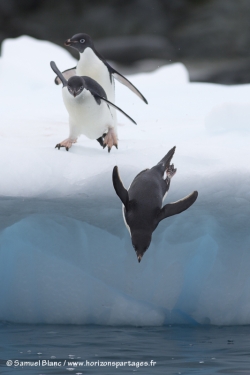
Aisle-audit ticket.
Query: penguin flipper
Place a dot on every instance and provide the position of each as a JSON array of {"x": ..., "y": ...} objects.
[
  {"x": 67, "y": 74},
  {"x": 113, "y": 105},
  {"x": 177, "y": 207},
  {"x": 57, "y": 71},
  {"x": 99, "y": 94},
  {"x": 119, "y": 188},
  {"x": 127, "y": 83},
  {"x": 95, "y": 88}
]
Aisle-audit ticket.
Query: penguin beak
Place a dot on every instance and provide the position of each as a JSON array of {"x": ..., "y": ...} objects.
[
  {"x": 139, "y": 257},
  {"x": 73, "y": 93},
  {"x": 67, "y": 42}
]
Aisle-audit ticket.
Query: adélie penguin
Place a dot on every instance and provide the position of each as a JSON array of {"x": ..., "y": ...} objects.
[
  {"x": 94, "y": 65},
  {"x": 89, "y": 111},
  {"x": 142, "y": 202}
]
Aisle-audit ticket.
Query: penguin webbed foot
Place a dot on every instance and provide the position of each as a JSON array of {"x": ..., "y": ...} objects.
[
  {"x": 110, "y": 139},
  {"x": 67, "y": 143},
  {"x": 170, "y": 171},
  {"x": 59, "y": 146}
]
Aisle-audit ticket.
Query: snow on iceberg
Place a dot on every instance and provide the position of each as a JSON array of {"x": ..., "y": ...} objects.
[{"x": 65, "y": 254}]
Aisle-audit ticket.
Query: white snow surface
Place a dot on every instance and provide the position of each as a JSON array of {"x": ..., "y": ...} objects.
[{"x": 65, "y": 254}]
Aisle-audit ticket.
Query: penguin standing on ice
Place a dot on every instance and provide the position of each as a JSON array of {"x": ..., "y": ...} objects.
[
  {"x": 93, "y": 64},
  {"x": 89, "y": 111},
  {"x": 142, "y": 202}
]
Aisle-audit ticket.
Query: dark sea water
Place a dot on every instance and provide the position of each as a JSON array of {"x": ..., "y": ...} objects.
[{"x": 57, "y": 349}]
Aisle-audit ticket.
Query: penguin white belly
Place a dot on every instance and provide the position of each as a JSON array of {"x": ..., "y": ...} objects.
[
  {"x": 124, "y": 218},
  {"x": 90, "y": 65},
  {"x": 164, "y": 196},
  {"x": 86, "y": 116},
  {"x": 125, "y": 222}
]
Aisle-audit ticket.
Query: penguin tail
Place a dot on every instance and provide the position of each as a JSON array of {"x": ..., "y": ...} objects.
[{"x": 164, "y": 164}]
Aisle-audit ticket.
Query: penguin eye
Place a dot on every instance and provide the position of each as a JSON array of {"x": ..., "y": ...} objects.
[
  {"x": 81, "y": 88},
  {"x": 82, "y": 40}
]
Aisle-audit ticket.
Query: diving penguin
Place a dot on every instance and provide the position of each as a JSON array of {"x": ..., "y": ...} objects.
[
  {"x": 89, "y": 111},
  {"x": 142, "y": 202}
]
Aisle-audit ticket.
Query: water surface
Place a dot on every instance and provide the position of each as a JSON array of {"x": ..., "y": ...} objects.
[{"x": 112, "y": 350}]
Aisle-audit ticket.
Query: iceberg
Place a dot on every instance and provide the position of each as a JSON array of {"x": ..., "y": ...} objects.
[{"x": 65, "y": 254}]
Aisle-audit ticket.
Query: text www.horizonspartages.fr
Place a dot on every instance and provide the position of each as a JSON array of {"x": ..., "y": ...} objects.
[{"x": 85, "y": 363}]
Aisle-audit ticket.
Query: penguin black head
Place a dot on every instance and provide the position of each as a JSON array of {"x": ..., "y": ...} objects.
[
  {"x": 79, "y": 42},
  {"x": 141, "y": 241},
  {"x": 76, "y": 85}
]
